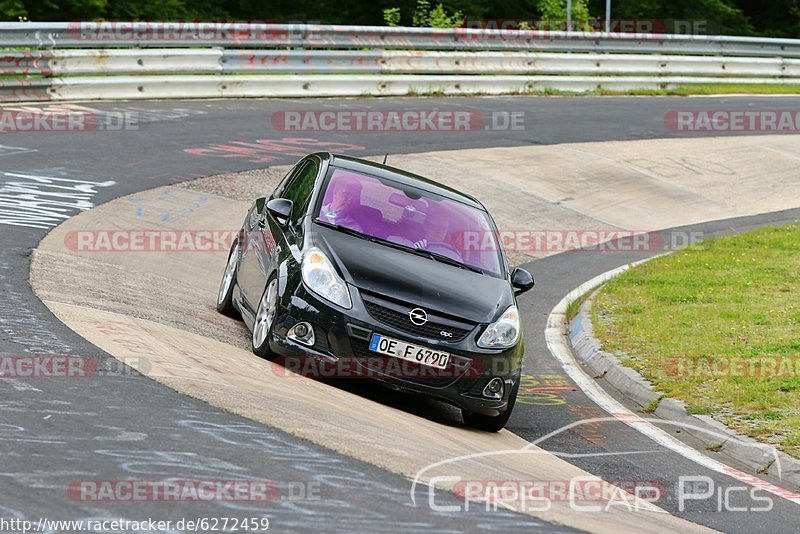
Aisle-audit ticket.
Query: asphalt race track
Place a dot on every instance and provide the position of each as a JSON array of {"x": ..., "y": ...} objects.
[{"x": 121, "y": 425}]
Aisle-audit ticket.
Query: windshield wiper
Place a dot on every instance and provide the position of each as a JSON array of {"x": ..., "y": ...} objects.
[
  {"x": 447, "y": 259},
  {"x": 346, "y": 230},
  {"x": 356, "y": 233}
]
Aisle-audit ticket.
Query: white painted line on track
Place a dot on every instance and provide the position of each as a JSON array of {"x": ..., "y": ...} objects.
[{"x": 558, "y": 345}]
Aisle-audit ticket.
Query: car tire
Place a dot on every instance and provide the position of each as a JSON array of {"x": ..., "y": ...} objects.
[
  {"x": 265, "y": 320},
  {"x": 228, "y": 283},
  {"x": 492, "y": 423}
]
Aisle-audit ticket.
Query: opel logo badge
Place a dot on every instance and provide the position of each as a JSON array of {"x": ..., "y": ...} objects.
[{"x": 418, "y": 316}]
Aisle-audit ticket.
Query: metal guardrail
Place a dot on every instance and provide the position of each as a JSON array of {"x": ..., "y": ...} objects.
[
  {"x": 214, "y": 60},
  {"x": 249, "y": 35},
  {"x": 163, "y": 60}
]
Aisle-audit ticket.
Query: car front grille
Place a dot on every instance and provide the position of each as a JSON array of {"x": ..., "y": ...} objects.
[{"x": 400, "y": 320}]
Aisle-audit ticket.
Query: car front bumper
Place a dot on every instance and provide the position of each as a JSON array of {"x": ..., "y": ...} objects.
[{"x": 341, "y": 350}]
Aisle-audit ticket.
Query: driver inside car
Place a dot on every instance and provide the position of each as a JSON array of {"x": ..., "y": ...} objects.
[
  {"x": 435, "y": 233},
  {"x": 346, "y": 200}
]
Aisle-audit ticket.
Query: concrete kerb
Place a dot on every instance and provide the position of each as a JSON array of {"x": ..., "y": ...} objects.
[{"x": 607, "y": 370}]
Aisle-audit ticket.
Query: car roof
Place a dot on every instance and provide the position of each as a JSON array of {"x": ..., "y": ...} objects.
[{"x": 402, "y": 177}]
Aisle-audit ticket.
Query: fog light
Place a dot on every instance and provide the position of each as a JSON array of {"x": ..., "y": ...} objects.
[
  {"x": 494, "y": 389},
  {"x": 302, "y": 333}
]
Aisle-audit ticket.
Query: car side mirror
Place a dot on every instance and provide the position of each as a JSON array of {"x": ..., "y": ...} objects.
[
  {"x": 522, "y": 280},
  {"x": 281, "y": 209}
]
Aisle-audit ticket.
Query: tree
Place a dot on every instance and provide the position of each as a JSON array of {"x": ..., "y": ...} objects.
[
  {"x": 437, "y": 17},
  {"x": 391, "y": 16},
  {"x": 12, "y": 10},
  {"x": 147, "y": 10},
  {"x": 553, "y": 14},
  {"x": 706, "y": 16},
  {"x": 65, "y": 10},
  {"x": 776, "y": 18}
]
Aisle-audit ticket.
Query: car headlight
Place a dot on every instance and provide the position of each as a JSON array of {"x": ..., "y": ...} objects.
[
  {"x": 502, "y": 333},
  {"x": 321, "y": 278}
]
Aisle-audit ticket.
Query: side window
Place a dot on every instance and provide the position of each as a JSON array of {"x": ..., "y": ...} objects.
[
  {"x": 300, "y": 189},
  {"x": 281, "y": 189}
]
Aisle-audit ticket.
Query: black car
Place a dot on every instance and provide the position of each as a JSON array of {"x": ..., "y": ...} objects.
[{"x": 353, "y": 268}]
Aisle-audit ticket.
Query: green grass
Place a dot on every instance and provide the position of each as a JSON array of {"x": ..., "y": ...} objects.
[
  {"x": 685, "y": 90},
  {"x": 413, "y": 91},
  {"x": 574, "y": 307},
  {"x": 681, "y": 90},
  {"x": 734, "y": 299},
  {"x": 653, "y": 406},
  {"x": 714, "y": 89},
  {"x": 21, "y": 77}
]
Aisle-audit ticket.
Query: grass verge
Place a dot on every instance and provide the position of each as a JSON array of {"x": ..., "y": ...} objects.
[
  {"x": 694, "y": 89},
  {"x": 718, "y": 327},
  {"x": 715, "y": 89}
]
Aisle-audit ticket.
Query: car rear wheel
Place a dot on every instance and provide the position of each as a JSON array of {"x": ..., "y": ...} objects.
[
  {"x": 265, "y": 318},
  {"x": 491, "y": 423},
  {"x": 225, "y": 295}
]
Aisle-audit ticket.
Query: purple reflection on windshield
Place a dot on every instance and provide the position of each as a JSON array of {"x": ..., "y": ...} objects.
[{"x": 418, "y": 219}]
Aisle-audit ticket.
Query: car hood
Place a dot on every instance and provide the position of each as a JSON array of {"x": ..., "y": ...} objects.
[{"x": 417, "y": 280}]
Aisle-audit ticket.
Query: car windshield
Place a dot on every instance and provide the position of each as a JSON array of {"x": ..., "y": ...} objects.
[{"x": 412, "y": 218}]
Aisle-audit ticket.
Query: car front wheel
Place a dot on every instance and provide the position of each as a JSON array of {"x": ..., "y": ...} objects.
[
  {"x": 225, "y": 295},
  {"x": 265, "y": 318}
]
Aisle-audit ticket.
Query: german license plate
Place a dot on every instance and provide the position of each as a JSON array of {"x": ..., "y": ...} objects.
[{"x": 408, "y": 351}]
